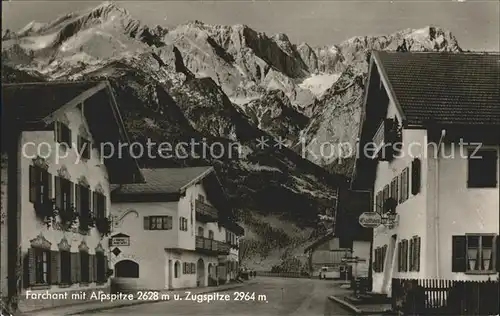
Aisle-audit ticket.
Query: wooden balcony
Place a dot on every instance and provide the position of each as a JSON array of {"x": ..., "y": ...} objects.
[
  {"x": 211, "y": 247},
  {"x": 205, "y": 212}
]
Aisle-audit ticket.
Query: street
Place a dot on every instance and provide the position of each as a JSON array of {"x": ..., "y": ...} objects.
[{"x": 273, "y": 296}]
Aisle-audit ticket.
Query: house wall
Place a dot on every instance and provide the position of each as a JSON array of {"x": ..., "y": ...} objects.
[
  {"x": 412, "y": 217},
  {"x": 461, "y": 210},
  {"x": 146, "y": 246},
  {"x": 361, "y": 249},
  {"x": 31, "y": 227},
  {"x": 3, "y": 229},
  {"x": 328, "y": 254},
  {"x": 189, "y": 280},
  {"x": 443, "y": 187}
]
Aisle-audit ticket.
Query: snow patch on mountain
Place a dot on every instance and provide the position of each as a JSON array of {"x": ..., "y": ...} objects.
[{"x": 319, "y": 83}]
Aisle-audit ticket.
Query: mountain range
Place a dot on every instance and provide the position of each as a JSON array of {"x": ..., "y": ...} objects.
[{"x": 230, "y": 85}]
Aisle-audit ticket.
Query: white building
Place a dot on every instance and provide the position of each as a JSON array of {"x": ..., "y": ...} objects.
[
  {"x": 174, "y": 231},
  {"x": 446, "y": 203},
  {"x": 55, "y": 175}
]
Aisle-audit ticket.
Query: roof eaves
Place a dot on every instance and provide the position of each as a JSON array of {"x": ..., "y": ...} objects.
[
  {"x": 197, "y": 179},
  {"x": 75, "y": 101},
  {"x": 385, "y": 78}
]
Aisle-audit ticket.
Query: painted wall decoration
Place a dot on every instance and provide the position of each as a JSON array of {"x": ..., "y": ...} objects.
[{"x": 118, "y": 219}]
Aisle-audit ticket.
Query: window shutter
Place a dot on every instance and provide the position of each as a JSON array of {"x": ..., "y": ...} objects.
[
  {"x": 459, "y": 251},
  {"x": 78, "y": 267},
  {"x": 31, "y": 266},
  {"x": 106, "y": 267},
  {"x": 49, "y": 185},
  {"x": 58, "y": 196},
  {"x": 407, "y": 183},
  {"x": 417, "y": 255},
  {"x": 94, "y": 262},
  {"x": 95, "y": 204},
  {"x": 91, "y": 268},
  {"x": 77, "y": 199},
  {"x": 402, "y": 178},
  {"x": 55, "y": 267},
  {"x": 412, "y": 255},
  {"x": 415, "y": 176},
  {"x": 72, "y": 194},
  {"x": 406, "y": 254},
  {"x": 33, "y": 184},
  {"x": 74, "y": 267},
  {"x": 146, "y": 222},
  {"x": 400, "y": 256}
]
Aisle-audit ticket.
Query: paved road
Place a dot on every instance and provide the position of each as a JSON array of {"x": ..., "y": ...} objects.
[{"x": 283, "y": 296}]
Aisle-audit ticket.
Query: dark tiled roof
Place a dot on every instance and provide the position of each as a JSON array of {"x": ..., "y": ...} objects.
[
  {"x": 32, "y": 102},
  {"x": 164, "y": 180},
  {"x": 445, "y": 88}
]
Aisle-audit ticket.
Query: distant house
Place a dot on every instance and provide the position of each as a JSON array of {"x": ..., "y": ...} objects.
[
  {"x": 44, "y": 127},
  {"x": 348, "y": 239},
  {"x": 174, "y": 231},
  {"x": 443, "y": 201},
  {"x": 327, "y": 252}
]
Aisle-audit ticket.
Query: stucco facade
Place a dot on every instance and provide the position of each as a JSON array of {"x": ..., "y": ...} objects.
[
  {"x": 162, "y": 255},
  {"x": 33, "y": 231},
  {"x": 443, "y": 207}
]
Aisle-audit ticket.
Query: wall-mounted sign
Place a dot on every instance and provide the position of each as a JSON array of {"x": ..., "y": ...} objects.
[
  {"x": 370, "y": 219},
  {"x": 119, "y": 240}
]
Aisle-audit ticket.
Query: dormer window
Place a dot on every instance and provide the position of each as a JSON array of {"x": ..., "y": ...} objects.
[{"x": 62, "y": 134}]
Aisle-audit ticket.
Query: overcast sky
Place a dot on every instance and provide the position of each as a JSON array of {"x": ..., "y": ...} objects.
[{"x": 475, "y": 23}]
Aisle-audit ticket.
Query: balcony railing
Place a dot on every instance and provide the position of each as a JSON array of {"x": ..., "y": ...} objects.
[
  {"x": 386, "y": 140},
  {"x": 210, "y": 246},
  {"x": 205, "y": 212}
]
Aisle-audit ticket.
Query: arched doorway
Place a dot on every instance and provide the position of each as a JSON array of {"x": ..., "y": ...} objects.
[
  {"x": 200, "y": 273},
  {"x": 126, "y": 269}
]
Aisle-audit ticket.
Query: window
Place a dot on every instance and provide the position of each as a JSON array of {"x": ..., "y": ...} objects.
[
  {"x": 40, "y": 185},
  {"x": 160, "y": 222},
  {"x": 210, "y": 234},
  {"x": 84, "y": 147},
  {"x": 100, "y": 267},
  {"x": 404, "y": 185},
  {"x": 64, "y": 193},
  {"x": 83, "y": 200},
  {"x": 201, "y": 231},
  {"x": 84, "y": 267},
  {"x": 474, "y": 253},
  {"x": 62, "y": 134},
  {"x": 414, "y": 255},
  {"x": 42, "y": 266},
  {"x": 482, "y": 169},
  {"x": 201, "y": 198},
  {"x": 65, "y": 257},
  {"x": 177, "y": 268},
  {"x": 99, "y": 205},
  {"x": 183, "y": 223}
]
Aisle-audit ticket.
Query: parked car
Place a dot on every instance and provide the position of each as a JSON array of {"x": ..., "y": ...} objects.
[{"x": 329, "y": 273}]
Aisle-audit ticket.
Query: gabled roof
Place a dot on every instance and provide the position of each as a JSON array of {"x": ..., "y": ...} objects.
[
  {"x": 445, "y": 88},
  {"x": 320, "y": 241},
  {"x": 32, "y": 102},
  {"x": 164, "y": 180},
  {"x": 33, "y": 106}
]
